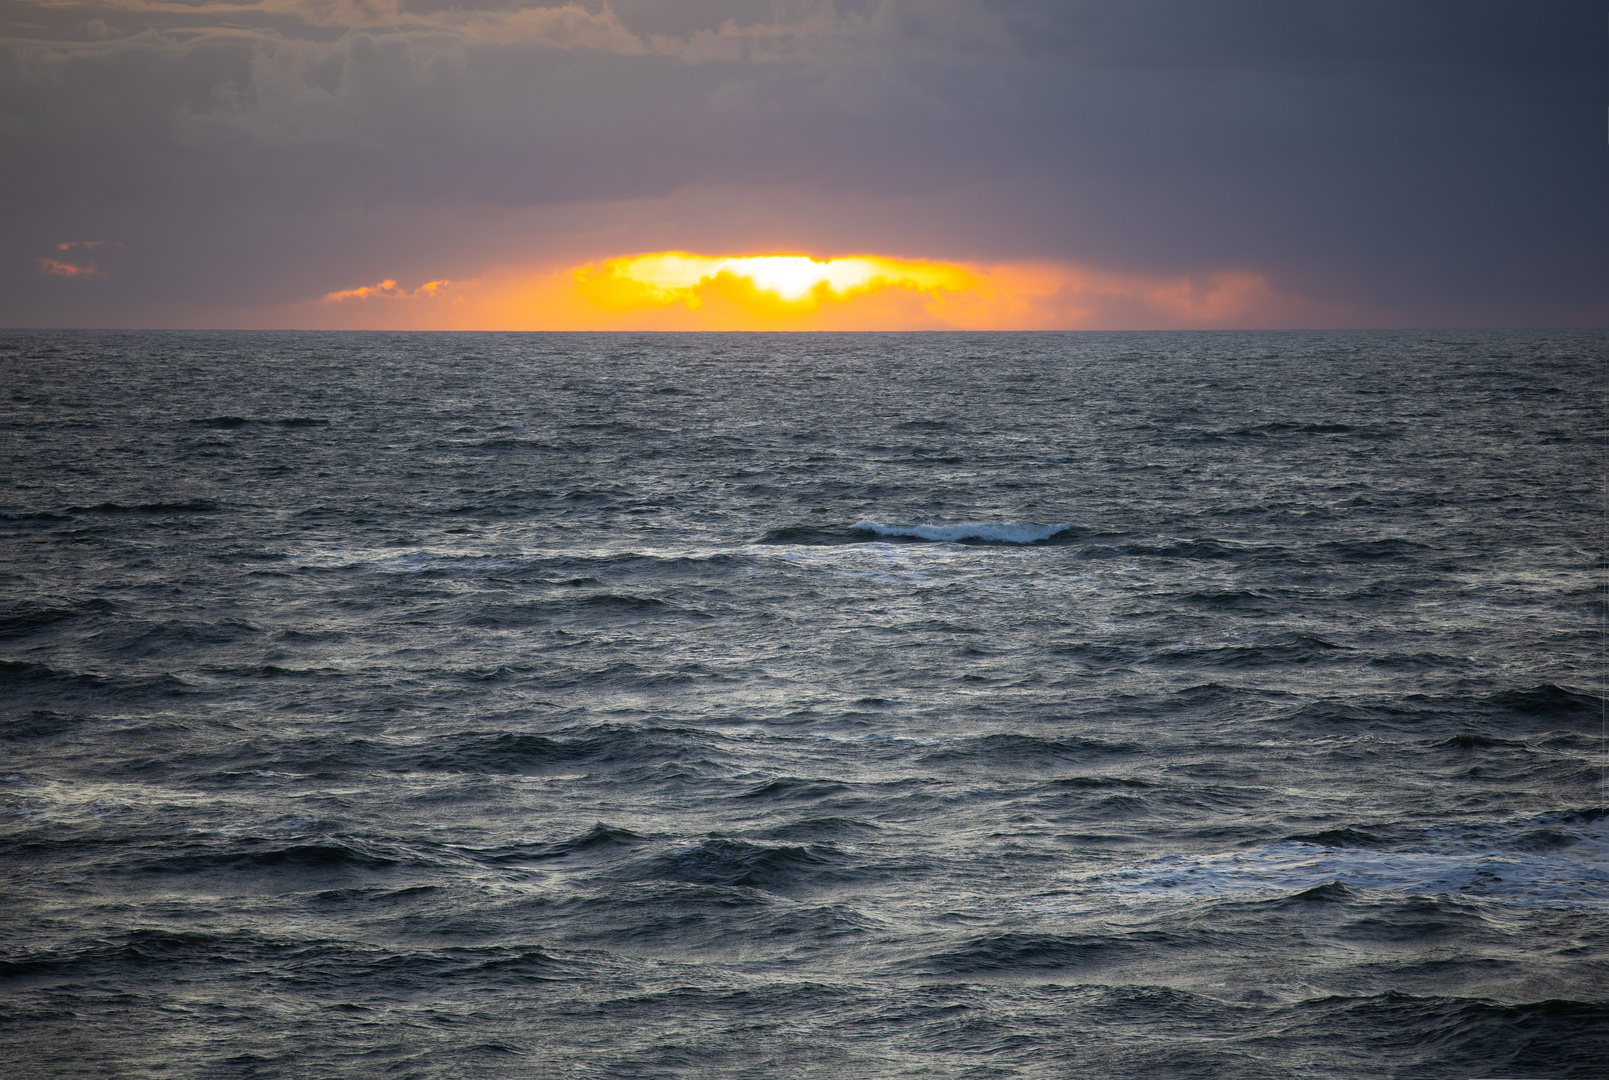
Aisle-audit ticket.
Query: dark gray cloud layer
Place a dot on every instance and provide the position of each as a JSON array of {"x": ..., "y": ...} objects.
[{"x": 1434, "y": 162}]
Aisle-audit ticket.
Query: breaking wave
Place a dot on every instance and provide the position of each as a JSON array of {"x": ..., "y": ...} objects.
[{"x": 1012, "y": 533}]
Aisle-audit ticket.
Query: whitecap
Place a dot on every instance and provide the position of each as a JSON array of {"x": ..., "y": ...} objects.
[
  {"x": 1489, "y": 867},
  {"x": 1025, "y": 532}
]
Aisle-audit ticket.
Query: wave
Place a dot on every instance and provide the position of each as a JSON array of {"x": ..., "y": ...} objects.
[
  {"x": 28, "y": 618},
  {"x": 1391, "y": 549},
  {"x": 726, "y": 861},
  {"x": 1299, "y": 649},
  {"x": 1551, "y": 860},
  {"x": 230, "y": 421},
  {"x": 1547, "y": 699},
  {"x": 32, "y": 515},
  {"x": 822, "y": 828},
  {"x": 1013, "y": 751},
  {"x": 21, "y": 677},
  {"x": 1477, "y": 1036},
  {"x": 188, "y": 506},
  {"x": 331, "y": 961},
  {"x": 515, "y": 753},
  {"x": 328, "y": 855},
  {"x": 1022, "y": 952},
  {"x": 601, "y": 839},
  {"x": 1011, "y": 533},
  {"x": 39, "y": 724}
]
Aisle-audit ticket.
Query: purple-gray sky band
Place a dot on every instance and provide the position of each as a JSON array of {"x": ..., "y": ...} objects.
[{"x": 1418, "y": 163}]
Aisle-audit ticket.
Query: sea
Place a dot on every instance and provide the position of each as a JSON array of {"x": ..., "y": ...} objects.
[{"x": 830, "y": 706}]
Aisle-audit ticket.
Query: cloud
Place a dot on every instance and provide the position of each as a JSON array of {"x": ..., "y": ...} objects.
[
  {"x": 781, "y": 285},
  {"x": 85, "y": 244},
  {"x": 68, "y": 270},
  {"x": 869, "y": 292},
  {"x": 693, "y": 32},
  {"x": 388, "y": 290}
]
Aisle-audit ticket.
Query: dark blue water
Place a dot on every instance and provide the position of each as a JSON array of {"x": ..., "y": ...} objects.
[{"x": 860, "y": 706}]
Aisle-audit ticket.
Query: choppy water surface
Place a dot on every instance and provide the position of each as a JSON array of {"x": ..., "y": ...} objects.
[{"x": 804, "y": 706}]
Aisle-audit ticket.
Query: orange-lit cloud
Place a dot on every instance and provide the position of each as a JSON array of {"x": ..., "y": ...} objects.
[
  {"x": 676, "y": 290},
  {"x": 775, "y": 286},
  {"x": 86, "y": 244},
  {"x": 387, "y": 290},
  {"x": 870, "y": 292},
  {"x": 68, "y": 270}
]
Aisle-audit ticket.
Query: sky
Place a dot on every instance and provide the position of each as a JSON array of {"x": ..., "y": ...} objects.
[{"x": 926, "y": 164}]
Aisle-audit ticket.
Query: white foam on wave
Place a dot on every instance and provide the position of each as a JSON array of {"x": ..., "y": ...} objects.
[
  {"x": 1014, "y": 533},
  {"x": 1573, "y": 876},
  {"x": 1529, "y": 880}
]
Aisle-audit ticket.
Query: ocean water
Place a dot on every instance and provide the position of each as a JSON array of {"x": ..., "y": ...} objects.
[{"x": 819, "y": 706}]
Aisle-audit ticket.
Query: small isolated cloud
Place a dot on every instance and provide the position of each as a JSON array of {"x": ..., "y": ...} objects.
[
  {"x": 387, "y": 290},
  {"x": 69, "y": 270},
  {"x": 364, "y": 292},
  {"x": 85, "y": 244}
]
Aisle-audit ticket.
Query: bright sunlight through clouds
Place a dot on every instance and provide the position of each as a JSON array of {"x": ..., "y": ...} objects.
[
  {"x": 678, "y": 290},
  {"x": 795, "y": 280}
]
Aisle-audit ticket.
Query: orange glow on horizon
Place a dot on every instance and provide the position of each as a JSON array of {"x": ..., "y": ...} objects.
[
  {"x": 679, "y": 290},
  {"x": 769, "y": 285}
]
